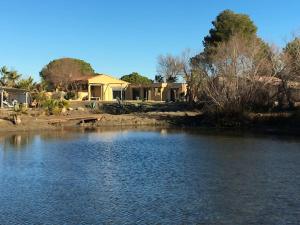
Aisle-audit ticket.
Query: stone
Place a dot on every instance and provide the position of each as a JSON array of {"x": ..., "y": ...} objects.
[
  {"x": 63, "y": 110},
  {"x": 17, "y": 119}
]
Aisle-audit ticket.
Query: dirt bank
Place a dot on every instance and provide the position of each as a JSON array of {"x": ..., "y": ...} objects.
[{"x": 36, "y": 120}]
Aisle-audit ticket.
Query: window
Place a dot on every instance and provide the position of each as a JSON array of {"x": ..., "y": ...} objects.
[
  {"x": 157, "y": 91},
  {"x": 83, "y": 87},
  {"x": 117, "y": 94}
]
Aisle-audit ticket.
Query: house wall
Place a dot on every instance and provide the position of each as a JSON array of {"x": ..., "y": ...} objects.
[
  {"x": 128, "y": 93},
  {"x": 108, "y": 84},
  {"x": 96, "y": 91},
  {"x": 108, "y": 91},
  {"x": 134, "y": 91},
  {"x": 165, "y": 93},
  {"x": 157, "y": 91},
  {"x": 20, "y": 97},
  {"x": 105, "y": 91},
  {"x": 11, "y": 95},
  {"x": 82, "y": 95}
]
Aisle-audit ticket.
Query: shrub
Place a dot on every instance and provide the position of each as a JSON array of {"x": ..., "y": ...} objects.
[
  {"x": 40, "y": 98},
  {"x": 54, "y": 106},
  {"x": 59, "y": 95},
  {"x": 20, "y": 108},
  {"x": 70, "y": 95}
]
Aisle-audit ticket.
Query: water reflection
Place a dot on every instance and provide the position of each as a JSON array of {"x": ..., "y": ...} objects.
[
  {"x": 156, "y": 176},
  {"x": 17, "y": 141},
  {"x": 22, "y": 140}
]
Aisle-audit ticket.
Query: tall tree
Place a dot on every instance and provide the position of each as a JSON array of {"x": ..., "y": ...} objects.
[
  {"x": 226, "y": 25},
  {"x": 62, "y": 73},
  {"x": 136, "y": 78}
]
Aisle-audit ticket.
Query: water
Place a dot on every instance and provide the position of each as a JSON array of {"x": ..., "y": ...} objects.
[{"x": 148, "y": 177}]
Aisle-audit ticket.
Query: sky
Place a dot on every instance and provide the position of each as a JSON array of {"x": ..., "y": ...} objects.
[{"x": 120, "y": 37}]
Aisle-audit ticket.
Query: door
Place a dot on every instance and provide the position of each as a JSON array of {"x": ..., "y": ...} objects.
[
  {"x": 96, "y": 92},
  {"x": 135, "y": 94},
  {"x": 173, "y": 94},
  {"x": 147, "y": 94}
]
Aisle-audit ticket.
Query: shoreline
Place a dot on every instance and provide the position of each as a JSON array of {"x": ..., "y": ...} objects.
[{"x": 154, "y": 120}]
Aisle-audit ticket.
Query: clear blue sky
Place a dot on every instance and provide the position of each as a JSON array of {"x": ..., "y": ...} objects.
[{"x": 118, "y": 37}]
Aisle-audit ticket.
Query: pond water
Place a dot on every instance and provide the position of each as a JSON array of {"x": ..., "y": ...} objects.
[{"x": 149, "y": 177}]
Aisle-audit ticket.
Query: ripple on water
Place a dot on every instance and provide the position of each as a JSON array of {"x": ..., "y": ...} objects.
[{"x": 148, "y": 177}]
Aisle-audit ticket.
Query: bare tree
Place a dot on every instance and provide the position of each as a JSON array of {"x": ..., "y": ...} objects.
[
  {"x": 290, "y": 70},
  {"x": 194, "y": 75},
  {"x": 185, "y": 66},
  {"x": 239, "y": 75},
  {"x": 169, "y": 67}
]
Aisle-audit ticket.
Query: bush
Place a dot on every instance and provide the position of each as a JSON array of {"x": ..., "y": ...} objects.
[
  {"x": 70, "y": 95},
  {"x": 20, "y": 108},
  {"x": 54, "y": 106},
  {"x": 40, "y": 97},
  {"x": 59, "y": 95}
]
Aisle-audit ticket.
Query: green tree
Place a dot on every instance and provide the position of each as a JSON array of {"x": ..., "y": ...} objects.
[
  {"x": 136, "y": 78},
  {"x": 4, "y": 75},
  {"x": 13, "y": 78},
  {"x": 27, "y": 84},
  {"x": 61, "y": 73},
  {"x": 226, "y": 25},
  {"x": 9, "y": 78}
]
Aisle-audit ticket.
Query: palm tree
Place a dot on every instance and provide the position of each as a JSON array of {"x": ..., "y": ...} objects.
[
  {"x": 13, "y": 77},
  {"x": 9, "y": 78},
  {"x": 27, "y": 84},
  {"x": 4, "y": 75}
]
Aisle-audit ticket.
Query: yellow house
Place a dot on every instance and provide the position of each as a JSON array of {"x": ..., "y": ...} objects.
[{"x": 101, "y": 87}]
